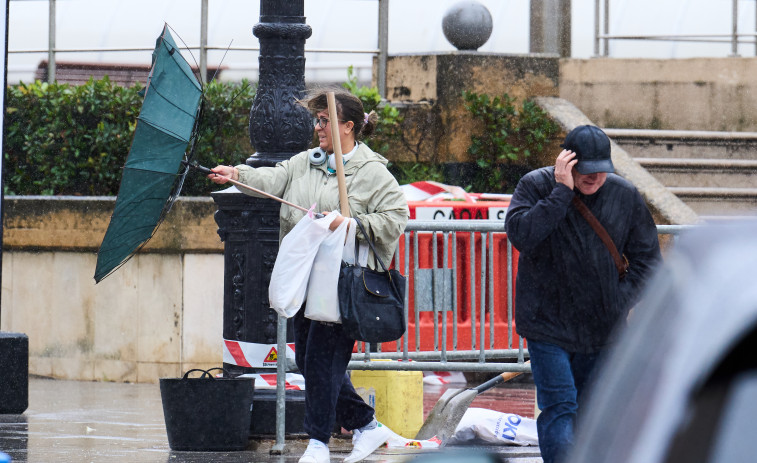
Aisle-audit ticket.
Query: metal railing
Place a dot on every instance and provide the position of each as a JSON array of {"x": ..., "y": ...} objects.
[
  {"x": 602, "y": 39},
  {"x": 462, "y": 272},
  {"x": 439, "y": 296},
  {"x": 381, "y": 50}
]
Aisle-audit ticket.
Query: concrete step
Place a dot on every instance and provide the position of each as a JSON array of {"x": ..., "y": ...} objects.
[
  {"x": 686, "y": 143},
  {"x": 714, "y": 173},
  {"x": 709, "y": 173},
  {"x": 718, "y": 201}
]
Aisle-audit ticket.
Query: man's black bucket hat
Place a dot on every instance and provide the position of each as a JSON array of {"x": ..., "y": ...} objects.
[{"x": 592, "y": 148}]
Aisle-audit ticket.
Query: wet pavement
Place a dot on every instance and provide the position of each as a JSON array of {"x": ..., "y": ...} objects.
[{"x": 74, "y": 421}]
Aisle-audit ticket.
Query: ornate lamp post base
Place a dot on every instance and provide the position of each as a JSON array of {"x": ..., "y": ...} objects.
[{"x": 279, "y": 129}]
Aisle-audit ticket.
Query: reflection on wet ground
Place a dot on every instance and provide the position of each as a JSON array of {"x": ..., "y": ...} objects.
[{"x": 72, "y": 421}]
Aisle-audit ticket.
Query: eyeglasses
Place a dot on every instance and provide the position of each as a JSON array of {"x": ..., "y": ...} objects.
[{"x": 322, "y": 122}]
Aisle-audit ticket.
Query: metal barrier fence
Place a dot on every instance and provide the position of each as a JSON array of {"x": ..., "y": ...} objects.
[
  {"x": 488, "y": 259},
  {"x": 459, "y": 304}
]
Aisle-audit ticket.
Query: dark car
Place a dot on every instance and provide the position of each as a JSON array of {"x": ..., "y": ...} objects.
[{"x": 681, "y": 386}]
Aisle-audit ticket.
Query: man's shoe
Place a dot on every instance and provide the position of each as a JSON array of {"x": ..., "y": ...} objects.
[
  {"x": 317, "y": 452},
  {"x": 365, "y": 442}
]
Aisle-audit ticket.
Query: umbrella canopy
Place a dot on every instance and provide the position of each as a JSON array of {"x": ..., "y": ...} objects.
[{"x": 153, "y": 174}]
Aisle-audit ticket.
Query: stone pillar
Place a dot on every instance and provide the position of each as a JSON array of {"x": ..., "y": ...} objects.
[
  {"x": 550, "y": 27},
  {"x": 279, "y": 129}
]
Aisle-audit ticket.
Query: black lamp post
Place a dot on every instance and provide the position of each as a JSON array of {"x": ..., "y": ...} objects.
[{"x": 279, "y": 129}]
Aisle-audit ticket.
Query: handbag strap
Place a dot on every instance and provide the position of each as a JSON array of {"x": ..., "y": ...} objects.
[
  {"x": 370, "y": 243},
  {"x": 620, "y": 263}
]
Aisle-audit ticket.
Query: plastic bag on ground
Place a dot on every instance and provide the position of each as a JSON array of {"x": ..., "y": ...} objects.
[
  {"x": 322, "y": 297},
  {"x": 396, "y": 441},
  {"x": 481, "y": 424},
  {"x": 291, "y": 272}
]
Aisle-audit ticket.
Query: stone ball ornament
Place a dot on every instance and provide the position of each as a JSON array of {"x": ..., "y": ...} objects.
[{"x": 467, "y": 25}]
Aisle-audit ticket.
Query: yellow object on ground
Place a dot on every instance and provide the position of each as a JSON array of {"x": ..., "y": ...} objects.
[{"x": 398, "y": 397}]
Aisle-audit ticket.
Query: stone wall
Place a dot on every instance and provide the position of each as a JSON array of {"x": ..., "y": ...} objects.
[
  {"x": 429, "y": 90},
  {"x": 159, "y": 315},
  {"x": 680, "y": 94}
]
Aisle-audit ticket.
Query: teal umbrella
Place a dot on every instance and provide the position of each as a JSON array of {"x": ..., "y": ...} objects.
[{"x": 154, "y": 172}]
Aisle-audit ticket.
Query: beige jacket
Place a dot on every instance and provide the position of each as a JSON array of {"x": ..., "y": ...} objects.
[{"x": 373, "y": 193}]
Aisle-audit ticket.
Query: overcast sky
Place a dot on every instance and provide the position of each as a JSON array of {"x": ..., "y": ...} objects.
[{"x": 414, "y": 27}]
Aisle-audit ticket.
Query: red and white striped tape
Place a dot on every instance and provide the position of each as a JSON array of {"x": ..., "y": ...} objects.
[
  {"x": 430, "y": 191},
  {"x": 294, "y": 381},
  {"x": 439, "y": 378},
  {"x": 253, "y": 355}
]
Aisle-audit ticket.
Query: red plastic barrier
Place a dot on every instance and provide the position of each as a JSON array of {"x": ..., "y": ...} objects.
[
  {"x": 466, "y": 281},
  {"x": 459, "y": 210}
]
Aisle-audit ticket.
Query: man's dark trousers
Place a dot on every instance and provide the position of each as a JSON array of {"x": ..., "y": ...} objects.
[{"x": 562, "y": 380}]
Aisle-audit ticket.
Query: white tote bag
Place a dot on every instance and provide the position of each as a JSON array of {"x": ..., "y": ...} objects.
[
  {"x": 349, "y": 247},
  {"x": 291, "y": 272},
  {"x": 322, "y": 297}
]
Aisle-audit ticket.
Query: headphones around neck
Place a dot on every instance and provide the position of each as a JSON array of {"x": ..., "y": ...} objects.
[{"x": 317, "y": 156}]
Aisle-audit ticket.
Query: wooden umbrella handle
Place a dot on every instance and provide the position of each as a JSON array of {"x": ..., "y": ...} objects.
[{"x": 336, "y": 141}]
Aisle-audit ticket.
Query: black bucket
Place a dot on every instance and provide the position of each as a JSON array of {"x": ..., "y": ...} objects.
[
  {"x": 207, "y": 413},
  {"x": 264, "y": 412}
]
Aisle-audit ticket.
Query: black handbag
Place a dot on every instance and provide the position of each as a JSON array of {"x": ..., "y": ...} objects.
[{"x": 371, "y": 303}]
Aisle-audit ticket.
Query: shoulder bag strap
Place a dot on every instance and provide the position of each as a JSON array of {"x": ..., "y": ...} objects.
[
  {"x": 370, "y": 243},
  {"x": 620, "y": 263}
]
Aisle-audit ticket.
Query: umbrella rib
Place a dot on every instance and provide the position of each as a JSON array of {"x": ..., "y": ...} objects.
[
  {"x": 162, "y": 129},
  {"x": 157, "y": 90},
  {"x": 150, "y": 170}
]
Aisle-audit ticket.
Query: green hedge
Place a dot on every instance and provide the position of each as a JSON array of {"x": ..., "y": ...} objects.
[{"x": 63, "y": 139}]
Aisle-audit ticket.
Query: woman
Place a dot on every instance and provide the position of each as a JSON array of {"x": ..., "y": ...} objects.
[{"x": 322, "y": 350}]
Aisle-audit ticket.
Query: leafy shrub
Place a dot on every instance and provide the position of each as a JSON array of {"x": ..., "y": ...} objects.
[
  {"x": 388, "y": 134},
  {"x": 389, "y": 119},
  {"x": 63, "y": 139},
  {"x": 73, "y": 140},
  {"x": 223, "y": 132},
  {"x": 511, "y": 132},
  {"x": 409, "y": 172}
]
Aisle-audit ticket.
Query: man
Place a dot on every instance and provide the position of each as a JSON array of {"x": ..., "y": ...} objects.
[{"x": 570, "y": 295}]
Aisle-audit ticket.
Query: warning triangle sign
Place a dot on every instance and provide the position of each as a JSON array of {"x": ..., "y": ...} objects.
[{"x": 272, "y": 356}]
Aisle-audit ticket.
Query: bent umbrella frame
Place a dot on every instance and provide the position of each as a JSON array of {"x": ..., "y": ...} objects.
[{"x": 153, "y": 174}]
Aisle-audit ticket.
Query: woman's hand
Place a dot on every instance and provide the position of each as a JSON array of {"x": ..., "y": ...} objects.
[
  {"x": 336, "y": 222},
  {"x": 564, "y": 168},
  {"x": 222, "y": 174}
]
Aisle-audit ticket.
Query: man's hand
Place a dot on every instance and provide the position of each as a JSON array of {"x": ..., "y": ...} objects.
[{"x": 564, "y": 168}]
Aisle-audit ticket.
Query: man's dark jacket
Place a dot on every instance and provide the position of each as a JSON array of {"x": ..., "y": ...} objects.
[{"x": 568, "y": 292}]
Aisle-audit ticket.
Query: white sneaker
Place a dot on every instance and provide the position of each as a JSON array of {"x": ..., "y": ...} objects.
[
  {"x": 317, "y": 452},
  {"x": 365, "y": 442}
]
